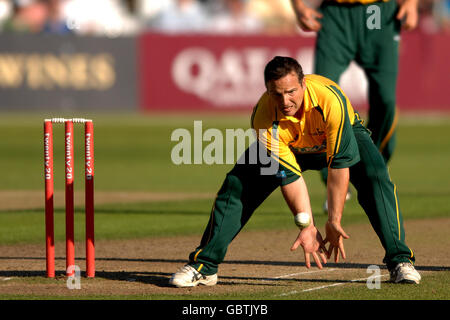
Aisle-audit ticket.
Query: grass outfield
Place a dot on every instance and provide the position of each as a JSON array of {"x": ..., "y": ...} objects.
[{"x": 133, "y": 154}]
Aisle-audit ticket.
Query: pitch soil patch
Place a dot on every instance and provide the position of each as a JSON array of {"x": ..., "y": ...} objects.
[{"x": 257, "y": 261}]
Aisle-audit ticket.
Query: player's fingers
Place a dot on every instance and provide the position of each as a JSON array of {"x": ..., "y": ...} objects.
[
  {"x": 315, "y": 25},
  {"x": 295, "y": 244},
  {"x": 322, "y": 256},
  {"x": 311, "y": 24},
  {"x": 317, "y": 260},
  {"x": 307, "y": 260},
  {"x": 322, "y": 245},
  {"x": 323, "y": 248},
  {"x": 303, "y": 26},
  {"x": 330, "y": 251},
  {"x": 401, "y": 13},
  {"x": 336, "y": 254},
  {"x": 317, "y": 14},
  {"x": 344, "y": 234},
  {"x": 406, "y": 26},
  {"x": 409, "y": 23},
  {"x": 342, "y": 250}
]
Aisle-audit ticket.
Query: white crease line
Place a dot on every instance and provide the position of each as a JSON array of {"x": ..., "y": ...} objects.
[
  {"x": 330, "y": 285},
  {"x": 296, "y": 274}
]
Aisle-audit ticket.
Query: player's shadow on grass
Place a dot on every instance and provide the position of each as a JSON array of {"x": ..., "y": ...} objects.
[
  {"x": 341, "y": 265},
  {"x": 161, "y": 279}
]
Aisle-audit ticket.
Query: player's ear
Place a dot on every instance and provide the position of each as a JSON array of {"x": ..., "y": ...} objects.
[{"x": 303, "y": 83}]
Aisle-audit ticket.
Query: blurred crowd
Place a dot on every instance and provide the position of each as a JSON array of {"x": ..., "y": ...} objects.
[{"x": 115, "y": 18}]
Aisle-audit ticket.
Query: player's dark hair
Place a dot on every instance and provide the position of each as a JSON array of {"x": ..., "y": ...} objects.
[{"x": 279, "y": 67}]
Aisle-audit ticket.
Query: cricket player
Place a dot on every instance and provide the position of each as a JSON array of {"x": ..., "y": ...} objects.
[
  {"x": 367, "y": 32},
  {"x": 304, "y": 123}
]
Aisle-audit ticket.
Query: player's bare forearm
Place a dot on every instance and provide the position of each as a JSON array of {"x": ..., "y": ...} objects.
[
  {"x": 337, "y": 186},
  {"x": 297, "y": 198}
]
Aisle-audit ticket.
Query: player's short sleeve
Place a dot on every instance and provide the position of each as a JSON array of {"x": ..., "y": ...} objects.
[{"x": 342, "y": 148}]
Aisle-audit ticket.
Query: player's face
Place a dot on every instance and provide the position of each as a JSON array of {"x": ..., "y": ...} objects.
[{"x": 287, "y": 93}]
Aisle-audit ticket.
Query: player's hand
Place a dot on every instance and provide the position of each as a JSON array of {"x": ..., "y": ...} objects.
[
  {"x": 311, "y": 241},
  {"x": 335, "y": 235},
  {"x": 408, "y": 14},
  {"x": 307, "y": 19}
]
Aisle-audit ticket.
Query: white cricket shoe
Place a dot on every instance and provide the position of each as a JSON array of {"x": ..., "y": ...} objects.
[
  {"x": 189, "y": 277},
  {"x": 405, "y": 273}
]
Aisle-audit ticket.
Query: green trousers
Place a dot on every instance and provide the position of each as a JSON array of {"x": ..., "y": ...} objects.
[
  {"x": 244, "y": 189},
  {"x": 369, "y": 35}
]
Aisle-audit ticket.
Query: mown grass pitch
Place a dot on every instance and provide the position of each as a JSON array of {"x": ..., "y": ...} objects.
[{"x": 132, "y": 154}]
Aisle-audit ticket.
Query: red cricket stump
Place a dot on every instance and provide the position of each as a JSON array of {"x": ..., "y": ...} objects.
[
  {"x": 89, "y": 197},
  {"x": 49, "y": 223},
  {"x": 69, "y": 195},
  {"x": 69, "y": 166}
]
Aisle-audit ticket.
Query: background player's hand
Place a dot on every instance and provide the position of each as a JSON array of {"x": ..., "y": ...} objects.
[
  {"x": 307, "y": 19},
  {"x": 408, "y": 14},
  {"x": 311, "y": 241},
  {"x": 335, "y": 235}
]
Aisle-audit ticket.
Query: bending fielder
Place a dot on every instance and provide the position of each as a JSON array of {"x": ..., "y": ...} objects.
[{"x": 304, "y": 123}]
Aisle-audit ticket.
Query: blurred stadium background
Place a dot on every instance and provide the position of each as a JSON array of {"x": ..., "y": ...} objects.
[{"x": 143, "y": 55}]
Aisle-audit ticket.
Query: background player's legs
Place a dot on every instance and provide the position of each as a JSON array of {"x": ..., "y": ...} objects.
[
  {"x": 382, "y": 117},
  {"x": 335, "y": 47},
  {"x": 378, "y": 56},
  {"x": 243, "y": 190},
  {"x": 378, "y": 197}
]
